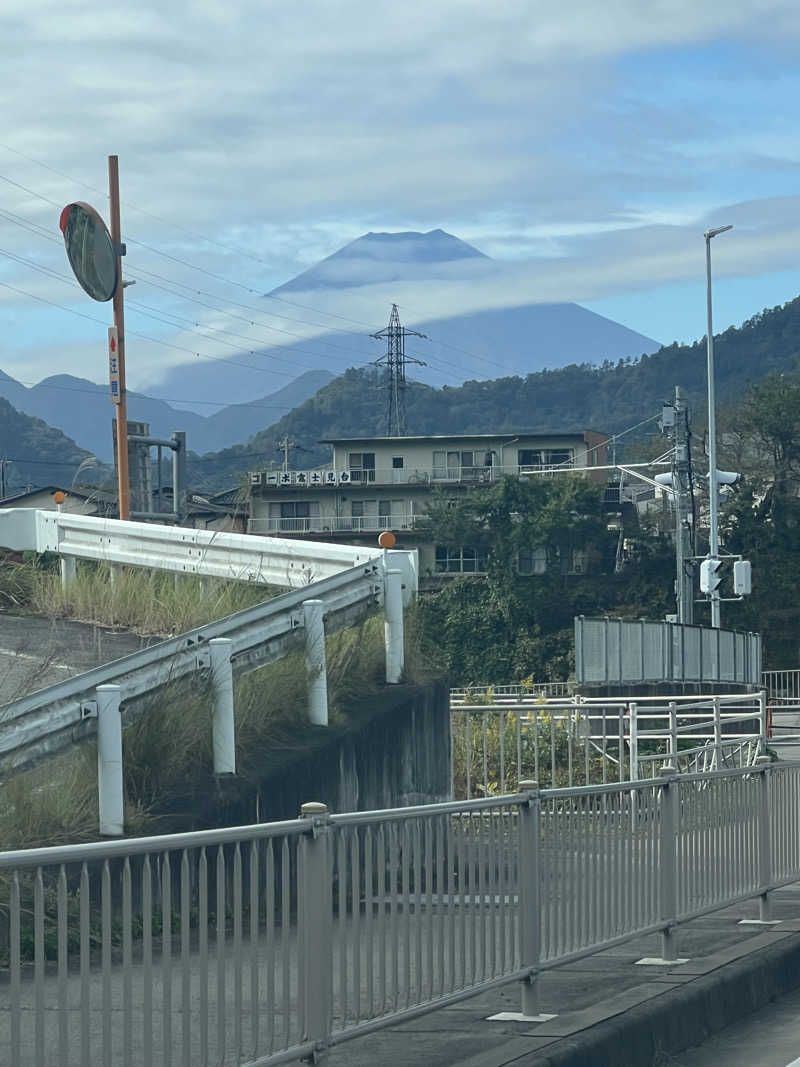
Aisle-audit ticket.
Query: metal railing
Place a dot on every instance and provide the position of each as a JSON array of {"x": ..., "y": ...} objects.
[
  {"x": 782, "y": 685},
  {"x": 505, "y": 739},
  {"x": 388, "y": 476},
  {"x": 332, "y": 524},
  {"x": 264, "y": 944}
]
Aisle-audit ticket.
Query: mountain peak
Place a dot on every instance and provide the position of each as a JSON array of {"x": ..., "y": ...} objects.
[{"x": 382, "y": 257}]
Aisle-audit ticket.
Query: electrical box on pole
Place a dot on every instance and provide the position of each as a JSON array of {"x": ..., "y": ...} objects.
[{"x": 742, "y": 578}]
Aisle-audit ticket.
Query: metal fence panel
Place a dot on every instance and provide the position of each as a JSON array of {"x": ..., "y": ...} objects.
[
  {"x": 268, "y": 943},
  {"x": 630, "y": 652}
]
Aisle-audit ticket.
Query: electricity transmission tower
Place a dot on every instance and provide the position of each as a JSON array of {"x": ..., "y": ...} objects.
[{"x": 395, "y": 362}]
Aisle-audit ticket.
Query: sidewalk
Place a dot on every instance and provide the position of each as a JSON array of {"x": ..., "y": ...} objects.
[{"x": 608, "y": 1009}]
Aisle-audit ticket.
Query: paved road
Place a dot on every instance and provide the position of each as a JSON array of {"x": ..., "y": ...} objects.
[
  {"x": 768, "y": 1038},
  {"x": 37, "y": 652}
]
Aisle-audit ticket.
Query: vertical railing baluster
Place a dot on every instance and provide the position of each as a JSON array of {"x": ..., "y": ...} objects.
[
  {"x": 62, "y": 928},
  {"x": 166, "y": 957},
  {"x": 84, "y": 967},
  {"x": 105, "y": 921},
  {"x": 202, "y": 941},
  {"x": 221, "y": 919},
  {"x": 147, "y": 959},
  {"x": 38, "y": 963},
  {"x": 355, "y": 890},
  {"x": 127, "y": 964},
  {"x": 16, "y": 968},
  {"x": 252, "y": 932},
  {"x": 270, "y": 919},
  {"x": 186, "y": 959},
  {"x": 238, "y": 975}
]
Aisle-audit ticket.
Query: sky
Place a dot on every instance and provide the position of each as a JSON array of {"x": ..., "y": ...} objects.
[{"x": 584, "y": 147}]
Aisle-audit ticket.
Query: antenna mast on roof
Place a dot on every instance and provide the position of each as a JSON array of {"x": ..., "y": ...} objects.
[{"x": 395, "y": 362}]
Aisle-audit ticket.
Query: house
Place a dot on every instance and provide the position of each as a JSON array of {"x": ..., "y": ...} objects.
[
  {"x": 79, "y": 500},
  {"x": 384, "y": 483}
]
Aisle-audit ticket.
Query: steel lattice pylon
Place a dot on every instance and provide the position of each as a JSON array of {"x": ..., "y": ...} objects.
[{"x": 395, "y": 362}]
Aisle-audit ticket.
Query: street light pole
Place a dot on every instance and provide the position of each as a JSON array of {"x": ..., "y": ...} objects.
[{"x": 713, "y": 488}]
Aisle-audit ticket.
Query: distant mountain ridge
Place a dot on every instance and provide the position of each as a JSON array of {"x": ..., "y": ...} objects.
[
  {"x": 610, "y": 397},
  {"x": 82, "y": 410}
]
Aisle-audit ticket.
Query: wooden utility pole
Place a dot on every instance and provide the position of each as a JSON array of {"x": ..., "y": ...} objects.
[{"x": 123, "y": 478}]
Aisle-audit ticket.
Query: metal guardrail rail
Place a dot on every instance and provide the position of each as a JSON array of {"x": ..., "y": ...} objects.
[
  {"x": 339, "y": 925},
  {"x": 241, "y": 557}
]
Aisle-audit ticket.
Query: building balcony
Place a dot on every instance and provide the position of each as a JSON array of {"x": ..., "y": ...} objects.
[
  {"x": 389, "y": 476},
  {"x": 325, "y": 524}
]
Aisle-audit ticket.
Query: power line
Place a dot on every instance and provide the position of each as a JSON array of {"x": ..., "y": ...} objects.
[{"x": 228, "y": 281}]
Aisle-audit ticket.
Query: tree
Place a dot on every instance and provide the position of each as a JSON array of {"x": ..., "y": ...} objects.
[{"x": 505, "y": 625}]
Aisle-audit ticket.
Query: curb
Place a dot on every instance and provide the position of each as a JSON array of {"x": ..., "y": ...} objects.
[{"x": 679, "y": 1017}]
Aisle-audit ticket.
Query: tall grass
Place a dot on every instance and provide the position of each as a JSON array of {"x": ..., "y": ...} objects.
[
  {"x": 167, "y": 751},
  {"x": 148, "y": 601}
]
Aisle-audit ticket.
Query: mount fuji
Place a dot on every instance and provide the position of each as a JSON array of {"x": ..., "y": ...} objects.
[{"x": 475, "y": 313}]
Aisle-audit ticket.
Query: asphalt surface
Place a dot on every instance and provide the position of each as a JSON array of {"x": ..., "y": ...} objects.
[
  {"x": 768, "y": 1038},
  {"x": 37, "y": 652}
]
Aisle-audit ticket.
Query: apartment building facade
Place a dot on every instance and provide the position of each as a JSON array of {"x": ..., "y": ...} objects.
[{"x": 385, "y": 483}]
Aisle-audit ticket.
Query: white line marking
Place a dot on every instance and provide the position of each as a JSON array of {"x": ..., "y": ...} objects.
[{"x": 36, "y": 659}]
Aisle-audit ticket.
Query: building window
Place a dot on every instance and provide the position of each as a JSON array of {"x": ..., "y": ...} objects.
[
  {"x": 294, "y": 516},
  {"x": 398, "y": 463},
  {"x": 459, "y": 561},
  {"x": 532, "y": 560},
  {"x": 361, "y": 466},
  {"x": 536, "y": 459}
]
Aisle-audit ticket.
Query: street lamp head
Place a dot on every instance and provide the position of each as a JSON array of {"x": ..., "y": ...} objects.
[{"x": 713, "y": 233}]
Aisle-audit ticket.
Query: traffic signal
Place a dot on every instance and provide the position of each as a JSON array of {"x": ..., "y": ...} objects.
[{"x": 710, "y": 575}]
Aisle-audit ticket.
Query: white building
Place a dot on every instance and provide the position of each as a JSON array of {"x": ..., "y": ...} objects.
[{"x": 384, "y": 483}]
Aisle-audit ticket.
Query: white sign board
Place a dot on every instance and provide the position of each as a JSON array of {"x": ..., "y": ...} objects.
[{"x": 113, "y": 363}]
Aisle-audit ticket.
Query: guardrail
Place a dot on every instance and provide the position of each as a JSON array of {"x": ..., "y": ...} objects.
[
  {"x": 501, "y": 741},
  {"x": 268, "y": 943},
  {"x": 239, "y": 557},
  {"x": 53, "y": 719}
]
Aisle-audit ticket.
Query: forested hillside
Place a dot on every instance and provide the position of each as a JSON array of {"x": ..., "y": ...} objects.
[
  {"x": 609, "y": 397},
  {"x": 38, "y": 453}
]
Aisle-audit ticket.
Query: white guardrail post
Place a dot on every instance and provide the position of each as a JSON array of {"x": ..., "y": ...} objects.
[
  {"x": 109, "y": 760},
  {"x": 69, "y": 567},
  {"x": 316, "y": 667},
  {"x": 223, "y": 729},
  {"x": 315, "y": 905},
  {"x": 393, "y": 625},
  {"x": 529, "y": 896},
  {"x": 764, "y": 763}
]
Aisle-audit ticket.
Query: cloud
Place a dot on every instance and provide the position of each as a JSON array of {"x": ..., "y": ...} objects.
[{"x": 576, "y": 144}]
